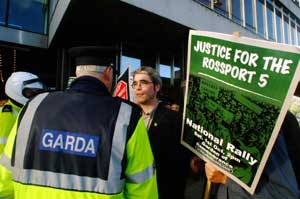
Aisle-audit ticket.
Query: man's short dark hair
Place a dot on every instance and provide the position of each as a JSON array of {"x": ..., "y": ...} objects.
[{"x": 153, "y": 74}]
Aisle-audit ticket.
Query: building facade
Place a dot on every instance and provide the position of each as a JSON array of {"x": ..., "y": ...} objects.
[{"x": 36, "y": 34}]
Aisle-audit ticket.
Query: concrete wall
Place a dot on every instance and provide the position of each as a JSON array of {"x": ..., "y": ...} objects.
[
  {"x": 56, "y": 18},
  {"x": 191, "y": 14},
  {"x": 23, "y": 37},
  {"x": 289, "y": 4}
]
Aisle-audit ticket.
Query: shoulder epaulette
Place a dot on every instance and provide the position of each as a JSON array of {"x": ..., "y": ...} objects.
[{"x": 7, "y": 108}]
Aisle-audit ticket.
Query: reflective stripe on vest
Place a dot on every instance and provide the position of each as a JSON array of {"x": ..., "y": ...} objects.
[
  {"x": 3, "y": 140},
  {"x": 24, "y": 129},
  {"x": 5, "y": 161},
  {"x": 141, "y": 176},
  {"x": 119, "y": 142},
  {"x": 15, "y": 112},
  {"x": 113, "y": 185}
]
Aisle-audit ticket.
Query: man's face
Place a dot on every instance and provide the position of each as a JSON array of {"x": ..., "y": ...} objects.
[{"x": 144, "y": 89}]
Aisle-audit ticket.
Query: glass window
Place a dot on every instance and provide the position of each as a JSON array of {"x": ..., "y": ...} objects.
[
  {"x": 176, "y": 72},
  {"x": 298, "y": 34},
  {"x": 293, "y": 36},
  {"x": 236, "y": 11},
  {"x": 178, "y": 62},
  {"x": 170, "y": 64},
  {"x": 249, "y": 14},
  {"x": 270, "y": 21},
  {"x": 165, "y": 64},
  {"x": 165, "y": 70},
  {"x": 260, "y": 18},
  {"x": 30, "y": 15},
  {"x": 53, "y": 4},
  {"x": 286, "y": 27},
  {"x": 3, "y": 9},
  {"x": 279, "y": 25},
  {"x": 221, "y": 7},
  {"x": 132, "y": 62}
]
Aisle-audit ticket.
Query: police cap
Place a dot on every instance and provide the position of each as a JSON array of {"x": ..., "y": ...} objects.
[{"x": 93, "y": 55}]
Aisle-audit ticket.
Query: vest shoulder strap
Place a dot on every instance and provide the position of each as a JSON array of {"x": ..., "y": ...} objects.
[{"x": 7, "y": 108}]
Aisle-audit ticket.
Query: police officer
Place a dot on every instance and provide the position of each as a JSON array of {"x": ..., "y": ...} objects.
[
  {"x": 80, "y": 143},
  {"x": 19, "y": 87}
]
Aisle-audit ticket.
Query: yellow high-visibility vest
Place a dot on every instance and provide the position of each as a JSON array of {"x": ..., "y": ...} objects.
[
  {"x": 8, "y": 116},
  {"x": 139, "y": 179}
]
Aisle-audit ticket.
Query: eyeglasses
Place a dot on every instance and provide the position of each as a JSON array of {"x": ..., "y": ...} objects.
[{"x": 141, "y": 83}]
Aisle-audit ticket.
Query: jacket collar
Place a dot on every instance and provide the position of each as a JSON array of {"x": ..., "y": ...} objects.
[{"x": 88, "y": 84}]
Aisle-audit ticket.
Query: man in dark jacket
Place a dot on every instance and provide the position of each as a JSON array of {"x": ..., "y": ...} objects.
[{"x": 164, "y": 127}]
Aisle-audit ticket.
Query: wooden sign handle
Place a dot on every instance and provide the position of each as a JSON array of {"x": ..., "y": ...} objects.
[{"x": 207, "y": 189}]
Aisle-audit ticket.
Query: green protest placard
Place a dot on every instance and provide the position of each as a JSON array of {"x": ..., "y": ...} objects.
[{"x": 236, "y": 98}]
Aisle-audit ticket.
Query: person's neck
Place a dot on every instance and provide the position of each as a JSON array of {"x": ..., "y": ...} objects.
[{"x": 147, "y": 108}]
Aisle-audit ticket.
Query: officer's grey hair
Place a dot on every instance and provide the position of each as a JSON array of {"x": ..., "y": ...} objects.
[
  {"x": 153, "y": 74},
  {"x": 90, "y": 68}
]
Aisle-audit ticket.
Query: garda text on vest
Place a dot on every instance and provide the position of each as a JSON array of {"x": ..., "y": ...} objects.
[{"x": 69, "y": 142}]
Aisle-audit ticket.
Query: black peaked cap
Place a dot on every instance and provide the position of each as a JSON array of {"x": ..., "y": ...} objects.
[{"x": 94, "y": 55}]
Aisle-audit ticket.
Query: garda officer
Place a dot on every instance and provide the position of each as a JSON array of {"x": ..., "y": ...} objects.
[
  {"x": 80, "y": 143},
  {"x": 19, "y": 87}
]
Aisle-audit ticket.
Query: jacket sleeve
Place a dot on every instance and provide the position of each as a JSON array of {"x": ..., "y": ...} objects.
[
  {"x": 6, "y": 184},
  {"x": 278, "y": 179},
  {"x": 140, "y": 173}
]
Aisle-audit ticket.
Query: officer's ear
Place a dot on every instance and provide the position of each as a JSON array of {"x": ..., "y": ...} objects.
[
  {"x": 107, "y": 77},
  {"x": 108, "y": 71},
  {"x": 108, "y": 74}
]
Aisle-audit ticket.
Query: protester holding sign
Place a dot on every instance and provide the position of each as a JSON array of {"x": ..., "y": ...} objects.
[
  {"x": 238, "y": 91},
  {"x": 280, "y": 175},
  {"x": 164, "y": 127}
]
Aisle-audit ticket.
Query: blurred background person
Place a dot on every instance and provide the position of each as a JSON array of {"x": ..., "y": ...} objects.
[{"x": 19, "y": 88}]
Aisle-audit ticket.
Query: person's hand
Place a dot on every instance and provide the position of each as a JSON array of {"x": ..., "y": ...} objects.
[
  {"x": 214, "y": 175},
  {"x": 197, "y": 164}
]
